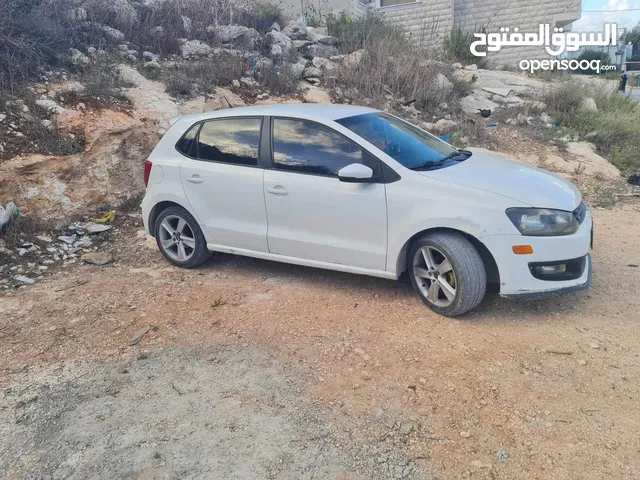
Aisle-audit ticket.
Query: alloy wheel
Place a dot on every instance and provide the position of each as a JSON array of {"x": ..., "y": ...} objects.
[
  {"x": 177, "y": 238},
  {"x": 434, "y": 276}
]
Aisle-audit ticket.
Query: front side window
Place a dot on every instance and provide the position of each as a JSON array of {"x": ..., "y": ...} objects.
[
  {"x": 308, "y": 147},
  {"x": 406, "y": 144},
  {"x": 230, "y": 140}
]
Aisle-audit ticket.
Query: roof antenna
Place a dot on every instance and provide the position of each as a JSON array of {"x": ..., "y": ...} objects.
[{"x": 227, "y": 100}]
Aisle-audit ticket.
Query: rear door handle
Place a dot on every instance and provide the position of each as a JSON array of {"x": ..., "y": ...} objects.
[
  {"x": 278, "y": 190},
  {"x": 195, "y": 179}
]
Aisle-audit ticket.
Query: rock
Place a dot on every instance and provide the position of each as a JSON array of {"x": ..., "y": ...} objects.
[
  {"x": 233, "y": 33},
  {"x": 113, "y": 34},
  {"x": 545, "y": 118},
  {"x": 456, "y": 65},
  {"x": 296, "y": 31},
  {"x": 91, "y": 227},
  {"x": 275, "y": 26},
  {"x": 319, "y": 50},
  {"x": 249, "y": 82},
  {"x": 477, "y": 100},
  {"x": 187, "y": 24},
  {"x": 194, "y": 48},
  {"x": 284, "y": 43},
  {"x": 139, "y": 335},
  {"x": 442, "y": 83},
  {"x": 328, "y": 40},
  {"x": 262, "y": 63},
  {"x": 316, "y": 95},
  {"x": 312, "y": 72},
  {"x": 77, "y": 58},
  {"x": 97, "y": 258},
  {"x": 464, "y": 75},
  {"x": 501, "y": 455},
  {"x": 445, "y": 126},
  {"x": 150, "y": 57},
  {"x": 354, "y": 59},
  {"x": 49, "y": 106},
  {"x": 298, "y": 68},
  {"x": 595, "y": 345},
  {"x": 323, "y": 63},
  {"x": 300, "y": 44},
  {"x": 235, "y": 83},
  {"x": 471, "y": 67},
  {"x": 589, "y": 103},
  {"x": 316, "y": 33},
  {"x": 3, "y": 117},
  {"x": 24, "y": 279},
  {"x": 465, "y": 434}
]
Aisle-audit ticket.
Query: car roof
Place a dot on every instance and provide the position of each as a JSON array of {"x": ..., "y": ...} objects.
[{"x": 307, "y": 111}]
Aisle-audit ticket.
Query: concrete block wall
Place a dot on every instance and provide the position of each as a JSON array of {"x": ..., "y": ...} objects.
[
  {"x": 426, "y": 23},
  {"x": 527, "y": 15}
]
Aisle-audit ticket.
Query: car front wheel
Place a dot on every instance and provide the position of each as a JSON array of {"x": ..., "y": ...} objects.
[
  {"x": 180, "y": 239},
  {"x": 447, "y": 272}
]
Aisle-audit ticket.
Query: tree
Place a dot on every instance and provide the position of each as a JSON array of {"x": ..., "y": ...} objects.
[{"x": 594, "y": 55}]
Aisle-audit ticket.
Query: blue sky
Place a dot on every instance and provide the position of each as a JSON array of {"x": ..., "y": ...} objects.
[{"x": 594, "y": 21}]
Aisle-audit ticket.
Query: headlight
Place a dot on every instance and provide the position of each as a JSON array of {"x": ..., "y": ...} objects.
[{"x": 542, "y": 222}]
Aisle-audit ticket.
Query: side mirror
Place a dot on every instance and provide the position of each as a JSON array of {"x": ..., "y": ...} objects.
[{"x": 355, "y": 173}]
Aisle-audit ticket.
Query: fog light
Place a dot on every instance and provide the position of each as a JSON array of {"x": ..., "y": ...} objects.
[{"x": 552, "y": 269}]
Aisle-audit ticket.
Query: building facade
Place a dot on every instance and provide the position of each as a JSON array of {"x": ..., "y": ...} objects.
[{"x": 427, "y": 22}]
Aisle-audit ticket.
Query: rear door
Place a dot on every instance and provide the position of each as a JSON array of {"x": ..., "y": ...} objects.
[
  {"x": 311, "y": 213},
  {"x": 223, "y": 181}
]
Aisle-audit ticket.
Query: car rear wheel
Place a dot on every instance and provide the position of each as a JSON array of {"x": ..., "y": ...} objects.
[
  {"x": 180, "y": 238},
  {"x": 447, "y": 272}
]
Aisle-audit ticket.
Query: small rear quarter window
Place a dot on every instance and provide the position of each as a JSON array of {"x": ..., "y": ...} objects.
[{"x": 186, "y": 145}]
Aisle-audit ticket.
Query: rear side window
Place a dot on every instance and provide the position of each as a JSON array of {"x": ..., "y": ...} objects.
[
  {"x": 307, "y": 147},
  {"x": 187, "y": 145},
  {"x": 230, "y": 140}
]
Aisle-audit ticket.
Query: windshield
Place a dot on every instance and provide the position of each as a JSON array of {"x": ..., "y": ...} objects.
[{"x": 403, "y": 142}]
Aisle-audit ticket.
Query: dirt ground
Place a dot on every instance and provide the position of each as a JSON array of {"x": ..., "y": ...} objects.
[{"x": 255, "y": 369}]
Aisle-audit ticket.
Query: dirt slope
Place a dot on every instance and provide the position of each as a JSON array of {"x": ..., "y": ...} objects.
[{"x": 514, "y": 390}]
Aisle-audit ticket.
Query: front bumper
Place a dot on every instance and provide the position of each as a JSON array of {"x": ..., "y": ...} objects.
[{"x": 516, "y": 278}]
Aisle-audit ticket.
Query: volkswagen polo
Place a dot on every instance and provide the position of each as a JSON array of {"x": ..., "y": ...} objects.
[{"x": 358, "y": 190}]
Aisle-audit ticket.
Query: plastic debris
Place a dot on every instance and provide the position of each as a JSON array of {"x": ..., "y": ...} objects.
[
  {"x": 68, "y": 239},
  {"x": 7, "y": 214},
  {"x": 108, "y": 217}
]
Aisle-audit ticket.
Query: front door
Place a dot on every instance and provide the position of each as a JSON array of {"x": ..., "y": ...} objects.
[
  {"x": 311, "y": 213},
  {"x": 224, "y": 184}
]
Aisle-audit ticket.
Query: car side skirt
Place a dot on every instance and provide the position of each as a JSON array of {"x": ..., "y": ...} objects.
[{"x": 302, "y": 261}]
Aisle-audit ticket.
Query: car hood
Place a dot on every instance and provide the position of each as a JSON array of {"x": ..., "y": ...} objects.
[{"x": 533, "y": 186}]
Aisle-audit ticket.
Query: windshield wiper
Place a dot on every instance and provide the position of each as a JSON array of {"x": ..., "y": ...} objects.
[{"x": 458, "y": 156}]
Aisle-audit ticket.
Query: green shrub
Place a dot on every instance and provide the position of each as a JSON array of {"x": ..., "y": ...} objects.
[
  {"x": 355, "y": 34},
  {"x": 591, "y": 55},
  {"x": 457, "y": 47}
]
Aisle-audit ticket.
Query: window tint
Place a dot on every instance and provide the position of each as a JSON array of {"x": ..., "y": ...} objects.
[
  {"x": 403, "y": 142},
  {"x": 186, "y": 144},
  {"x": 311, "y": 148},
  {"x": 231, "y": 140}
]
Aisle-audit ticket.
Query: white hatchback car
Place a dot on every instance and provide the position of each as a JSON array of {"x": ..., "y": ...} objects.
[{"x": 358, "y": 190}]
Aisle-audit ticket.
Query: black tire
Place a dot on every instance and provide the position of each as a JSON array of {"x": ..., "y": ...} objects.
[
  {"x": 198, "y": 254},
  {"x": 469, "y": 275}
]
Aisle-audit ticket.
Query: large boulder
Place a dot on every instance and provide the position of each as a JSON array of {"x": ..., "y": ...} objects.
[
  {"x": 279, "y": 44},
  {"x": 442, "y": 83},
  {"x": 233, "y": 33},
  {"x": 589, "y": 103},
  {"x": 194, "y": 48},
  {"x": 312, "y": 72},
  {"x": 49, "y": 106},
  {"x": 354, "y": 59},
  {"x": 324, "y": 63},
  {"x": 297, "y": 69}
]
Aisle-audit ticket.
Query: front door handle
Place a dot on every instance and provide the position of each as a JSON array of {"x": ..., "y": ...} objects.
[
  {"x": 278, "y": 190},
  {"x": 195, "y": 179}
]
